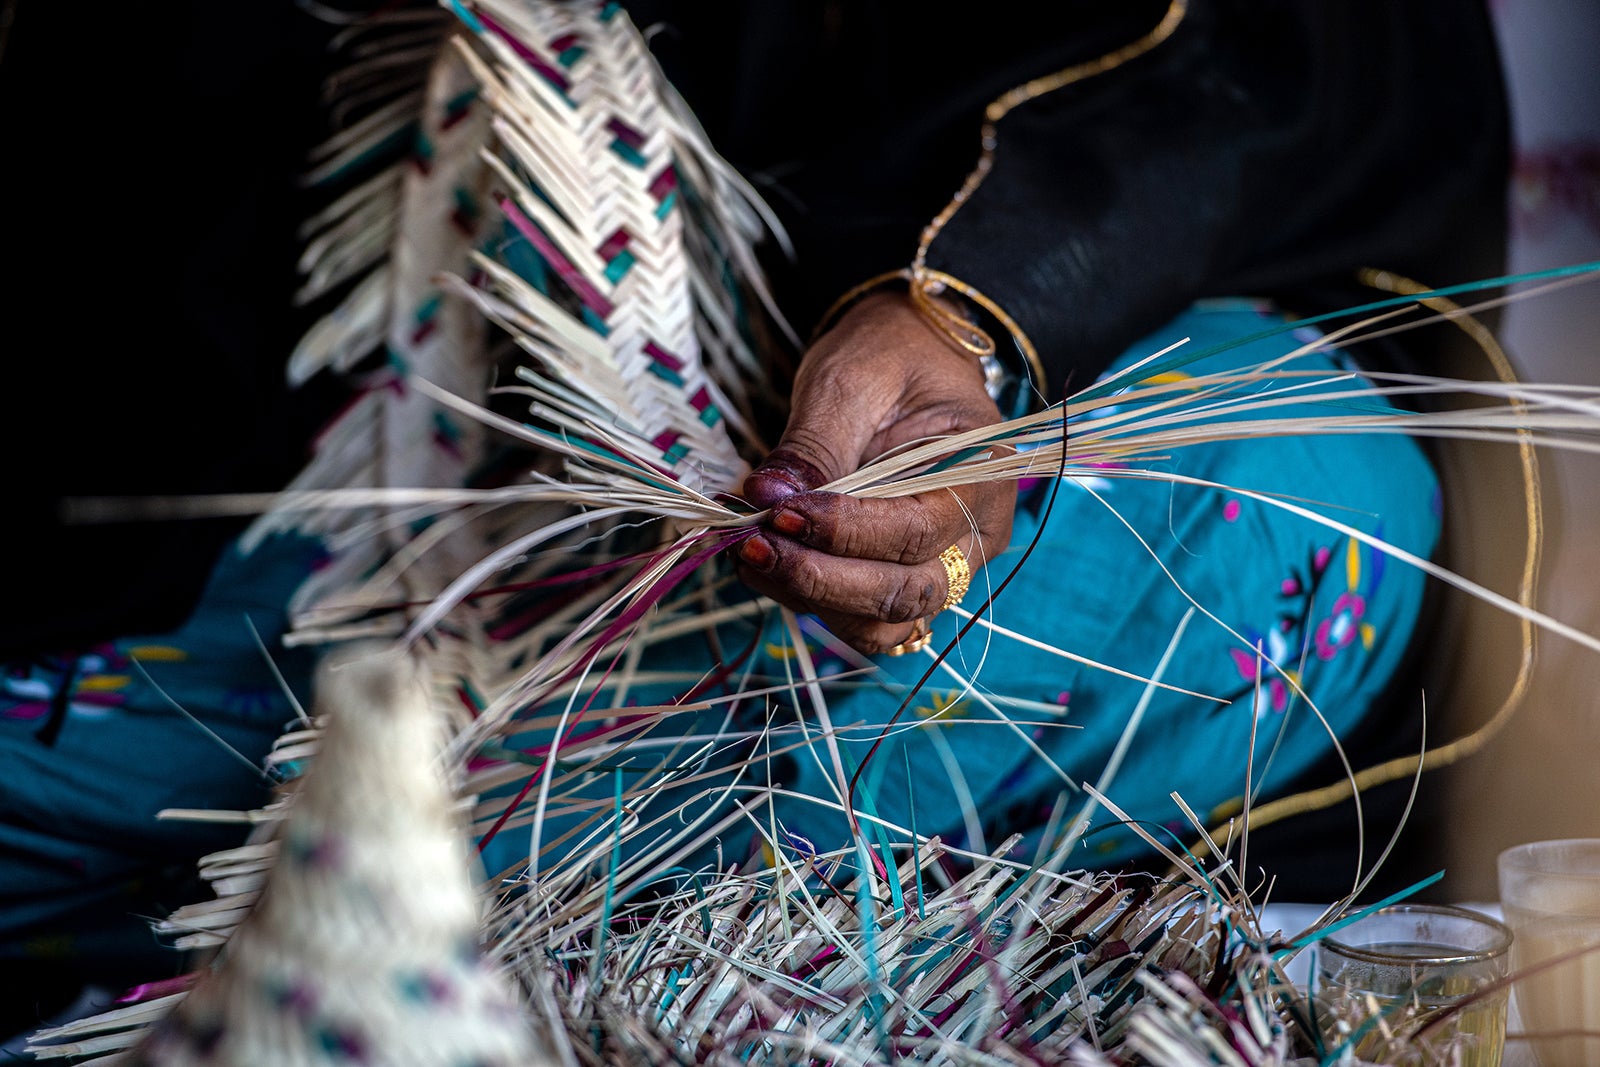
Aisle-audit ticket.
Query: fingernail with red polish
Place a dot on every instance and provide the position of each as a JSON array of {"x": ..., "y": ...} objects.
[
  {"x": 790, "y": 523},
  {"x": 757, "y": 551}
]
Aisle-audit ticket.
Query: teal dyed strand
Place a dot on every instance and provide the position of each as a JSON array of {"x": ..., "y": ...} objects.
[
  {"x": 916, "y": 849},
  {"x": 611, "y": 888},
  {"x": 467, "y": 17},
  {"x": 627, "y": 153},
  {"x": 1182, "y": 359},
  {"x": 873, "y": 1003},
  {"x": 1318, "y": 934},
  {"x": 619, "y": 266},
  {"x": 404, "y": 136},
  {"x": 896, "y": 891}
]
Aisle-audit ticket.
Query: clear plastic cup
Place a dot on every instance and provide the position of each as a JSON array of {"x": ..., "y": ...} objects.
[{"x": 1550, "y": 894}]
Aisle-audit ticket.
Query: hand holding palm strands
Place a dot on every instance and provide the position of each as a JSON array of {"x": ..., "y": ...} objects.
[{"x": 884, "y": 377}]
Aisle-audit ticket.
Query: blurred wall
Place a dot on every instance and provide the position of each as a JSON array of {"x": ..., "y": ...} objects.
[{"x": 1540, "y": 777}]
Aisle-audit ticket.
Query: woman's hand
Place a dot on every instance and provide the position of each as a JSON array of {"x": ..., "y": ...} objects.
[{"x": 883, "y": 376}]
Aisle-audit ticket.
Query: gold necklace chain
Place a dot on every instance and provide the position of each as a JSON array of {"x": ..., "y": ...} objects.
[{"x": 924, "y": 284}]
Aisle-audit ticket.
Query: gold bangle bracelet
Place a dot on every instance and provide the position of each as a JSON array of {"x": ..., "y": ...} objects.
[{"x": 946, "y": 322}]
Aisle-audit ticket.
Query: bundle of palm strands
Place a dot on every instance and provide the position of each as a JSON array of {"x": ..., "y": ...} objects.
[
  {"x": 362, "y": 941},
  {"x": 360, "y": 946},
  {"x": 564, "y": 225}
]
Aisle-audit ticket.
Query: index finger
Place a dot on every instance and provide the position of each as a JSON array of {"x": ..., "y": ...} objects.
[{"x": 905, "y": 530}]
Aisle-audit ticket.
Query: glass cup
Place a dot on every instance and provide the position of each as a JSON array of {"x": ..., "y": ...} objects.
[
  {"x": 1550, "y": 894},
  {"x": 1415, "y": 984}
]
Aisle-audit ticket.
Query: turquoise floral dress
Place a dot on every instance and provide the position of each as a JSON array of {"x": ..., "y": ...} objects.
[{"x": 1269, "y": 633}]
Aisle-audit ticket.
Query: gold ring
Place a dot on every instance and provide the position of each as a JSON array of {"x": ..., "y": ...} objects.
[
  {"x": 921, "y": 637},
  {"x": 958, "y": 575}
]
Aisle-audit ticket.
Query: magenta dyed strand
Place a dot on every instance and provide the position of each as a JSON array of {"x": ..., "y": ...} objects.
[
  {"x": 549, "y": 73},
  {"x": 591, "y": 296}
]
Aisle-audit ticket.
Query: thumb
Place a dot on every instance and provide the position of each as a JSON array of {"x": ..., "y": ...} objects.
[{"x": 830, "y": 425}]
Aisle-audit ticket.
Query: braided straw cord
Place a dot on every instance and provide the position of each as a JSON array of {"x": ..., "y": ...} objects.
[
  {"x": 1533, "y": 516},
  {"x": 598, "y": 175}
]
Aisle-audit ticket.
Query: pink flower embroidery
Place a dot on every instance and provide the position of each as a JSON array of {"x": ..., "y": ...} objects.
[
  {"x": 1340, "y": 628},
  {"x": 1273, "y": 692}
]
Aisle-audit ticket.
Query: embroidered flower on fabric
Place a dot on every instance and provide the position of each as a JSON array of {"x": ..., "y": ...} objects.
[
  {"x": 1272, "y": 694},
  {"x": 944, "y": 706},
  {"x": 1345, "y": 622},
  {"x": 1342, "y": 627}
]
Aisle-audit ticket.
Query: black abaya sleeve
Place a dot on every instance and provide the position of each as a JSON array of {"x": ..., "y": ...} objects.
[{"x": 1265, "y": 149}]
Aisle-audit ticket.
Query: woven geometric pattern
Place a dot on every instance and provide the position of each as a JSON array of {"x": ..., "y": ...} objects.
[
  {"x": 605, "y": 287},
  {"x": 363, "y": 945}
]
